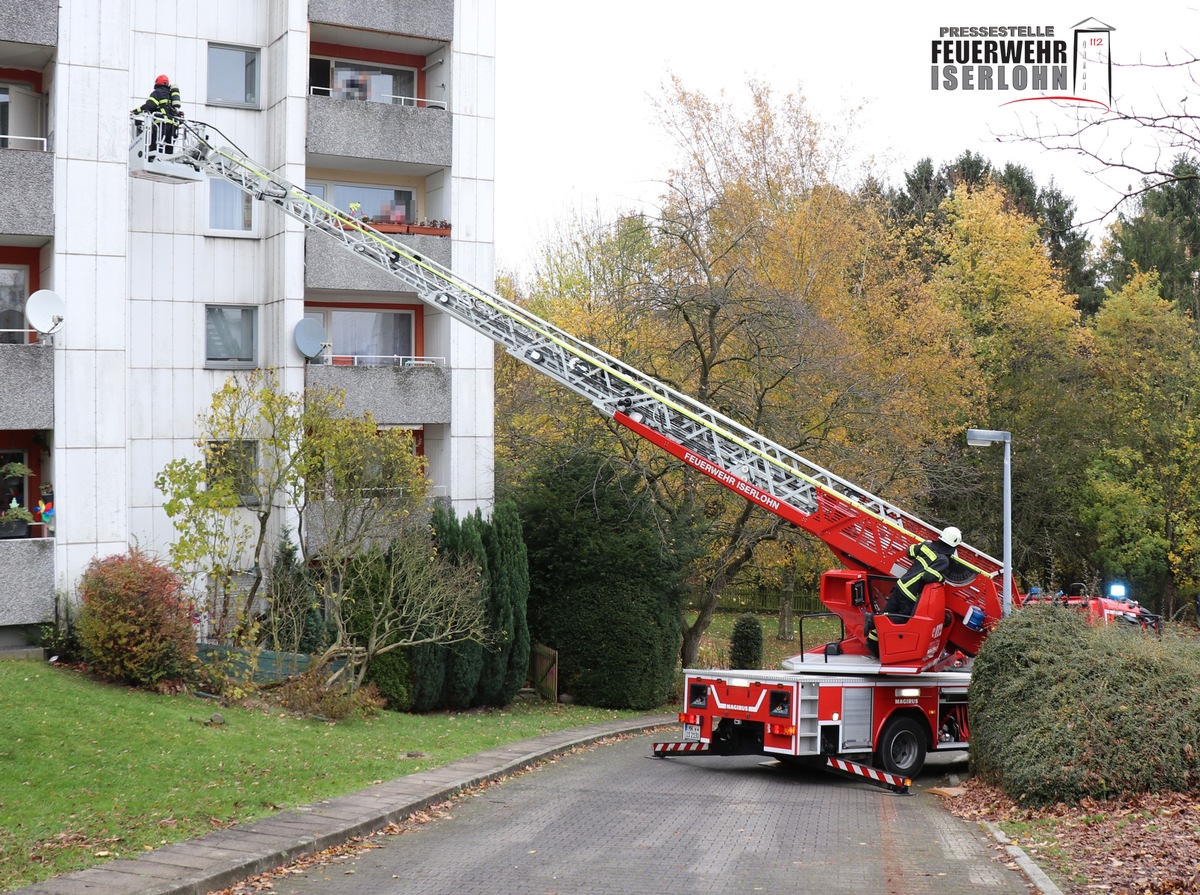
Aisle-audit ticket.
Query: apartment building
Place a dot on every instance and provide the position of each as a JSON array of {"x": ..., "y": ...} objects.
[{"x": 380, "y": 106}]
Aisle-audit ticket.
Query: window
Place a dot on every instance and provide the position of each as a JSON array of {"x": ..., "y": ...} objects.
[
  {"x": 14, "y": 289},
  {"x": 232, "y": 76},
  {"x": 13, "y": 487},
  {"x": 362, "y": 81},
  {"x": 230, "y": 336},
  {"x": 238, "y": 462},
  {"x": 4, "y": 133},
  {"x": 229, "y": 208},
  {"x": 381, "y": 204},
  {"x": 365, "y": 337}
]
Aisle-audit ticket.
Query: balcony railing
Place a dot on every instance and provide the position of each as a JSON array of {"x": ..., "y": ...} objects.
[
  {"x": 379, "y": 360},
  {"x": 387, "y": 99},
  {"x": 33, "y": 142},
  {"x": 417, "y": 228}
]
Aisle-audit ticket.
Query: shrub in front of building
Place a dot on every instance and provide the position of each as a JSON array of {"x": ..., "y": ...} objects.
[{"x": 134, "y": 621}]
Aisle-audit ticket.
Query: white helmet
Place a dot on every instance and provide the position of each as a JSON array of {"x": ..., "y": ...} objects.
[{"x": 951, "y": 536}]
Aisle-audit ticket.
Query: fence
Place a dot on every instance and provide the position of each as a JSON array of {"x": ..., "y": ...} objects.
[
  {"x": 543, "y": 671},
  {"x": 262, "y": 666},
  {"x": 752, "y": 598}
]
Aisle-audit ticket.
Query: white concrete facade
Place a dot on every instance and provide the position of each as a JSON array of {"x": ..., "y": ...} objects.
[{"x": 137, "y": 263}]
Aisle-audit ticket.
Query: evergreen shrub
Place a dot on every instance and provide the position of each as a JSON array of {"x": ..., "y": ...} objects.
[
  {"x": 1063, "y": 710},
  {"x": 617, "y": 645},
  {"x": 604, "y": 588},
  {"x": 392, "y": 677},
  {"x": 134, "y": 622},
  {"x": 746, "y": 642}
]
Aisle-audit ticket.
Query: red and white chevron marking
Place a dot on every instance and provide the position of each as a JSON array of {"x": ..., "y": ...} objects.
[
  {"x": 901, "y": 784},
  {"x": 663, "y": 748}
]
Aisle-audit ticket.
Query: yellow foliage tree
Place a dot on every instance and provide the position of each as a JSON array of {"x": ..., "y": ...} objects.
[
  {"x": 767, "y": 291},
  {"x": 1022, "y": 331}
]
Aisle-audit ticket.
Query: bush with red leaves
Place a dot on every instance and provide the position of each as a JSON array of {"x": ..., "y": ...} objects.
[{"x": 134, "y": 625}]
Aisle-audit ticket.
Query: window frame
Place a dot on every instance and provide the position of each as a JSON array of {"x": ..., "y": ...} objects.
[
  {"x": 22, "y": 335},
  {"x": 256, "y": 101},
  {"x": 212, "y": 363},
  {"x": 244, "y": 475},
  {"x": 326, "y": 190},
  {"x": 327, "y": 309},
  {"x": 247, "y": 203}
]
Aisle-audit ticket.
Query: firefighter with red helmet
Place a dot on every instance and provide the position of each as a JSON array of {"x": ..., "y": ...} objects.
[
  {"x": 929, "y": 562},
  {"x": 164, "y": 104}
]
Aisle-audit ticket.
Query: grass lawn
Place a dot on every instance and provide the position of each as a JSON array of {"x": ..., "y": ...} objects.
[{"x": 90, "y": 772}]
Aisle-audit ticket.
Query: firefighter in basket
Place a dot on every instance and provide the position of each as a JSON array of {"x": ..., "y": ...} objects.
[
  {"x": 164, "y": 104},
  {"x": 929, "y": 562}
]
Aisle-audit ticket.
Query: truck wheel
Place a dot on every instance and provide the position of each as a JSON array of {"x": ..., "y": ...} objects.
[{"x": 901, "y": 748}]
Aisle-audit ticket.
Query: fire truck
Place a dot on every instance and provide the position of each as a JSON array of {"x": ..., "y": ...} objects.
[{"x": 878, "y": 716}]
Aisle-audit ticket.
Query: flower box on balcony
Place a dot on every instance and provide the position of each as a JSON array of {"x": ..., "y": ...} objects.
[{"x": 15, "y": 528}]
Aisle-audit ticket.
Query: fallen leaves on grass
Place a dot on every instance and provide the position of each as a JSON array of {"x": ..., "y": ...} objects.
[
  {"x": 1145, "y": 845},
  {"x": 71, "y": 840}
]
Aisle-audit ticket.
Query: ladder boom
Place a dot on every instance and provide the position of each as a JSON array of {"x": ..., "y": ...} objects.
[{"x": 863, "y": 530}]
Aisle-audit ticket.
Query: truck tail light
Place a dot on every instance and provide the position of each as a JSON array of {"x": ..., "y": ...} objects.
[
  {"x": 782, "y": 730},
  {"x": 685, "y": 718}
]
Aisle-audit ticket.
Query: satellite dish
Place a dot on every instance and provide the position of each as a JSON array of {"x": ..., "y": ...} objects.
[
  {"x": 310, "y": 337},
  {"x": 45, "y": 311}
]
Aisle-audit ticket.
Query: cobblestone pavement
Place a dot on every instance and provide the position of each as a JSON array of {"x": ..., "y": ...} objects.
[{"x": 613, "y": 820}]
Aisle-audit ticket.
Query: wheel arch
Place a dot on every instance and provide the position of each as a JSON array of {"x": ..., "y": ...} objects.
[{"x": 904, "y": 711}]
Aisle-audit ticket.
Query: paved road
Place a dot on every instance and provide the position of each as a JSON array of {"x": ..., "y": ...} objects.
[{"x": 613, "y": 820}]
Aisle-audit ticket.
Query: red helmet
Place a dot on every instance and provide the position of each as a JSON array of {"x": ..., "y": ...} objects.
[{"x": 160, "y": 80}]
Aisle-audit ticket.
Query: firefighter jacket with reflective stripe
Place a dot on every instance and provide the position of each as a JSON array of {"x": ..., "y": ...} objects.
[
  {"x": 161, "y": 102},
  {"x": 930, "y": 560}
]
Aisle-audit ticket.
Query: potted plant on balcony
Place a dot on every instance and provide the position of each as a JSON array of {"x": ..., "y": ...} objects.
[
  {"x": 14, "y": 521},
  {"x": 14, "y": 518}
]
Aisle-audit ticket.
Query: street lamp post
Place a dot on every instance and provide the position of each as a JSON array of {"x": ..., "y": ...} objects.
[{"x": 984, "y": 438}]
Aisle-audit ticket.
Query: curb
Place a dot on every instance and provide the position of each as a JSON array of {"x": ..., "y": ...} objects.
[
  {"x": 1036, "y": 875},
  {"x": 224, "y": 858}
]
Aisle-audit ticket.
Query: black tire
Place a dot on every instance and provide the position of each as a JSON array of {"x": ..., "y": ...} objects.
[{"x": 901, "y": 748}]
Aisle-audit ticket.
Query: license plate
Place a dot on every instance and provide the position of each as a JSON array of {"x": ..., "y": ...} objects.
[{"x": 691, "y": 731}]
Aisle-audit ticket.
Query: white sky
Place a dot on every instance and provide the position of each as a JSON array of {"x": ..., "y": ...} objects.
[{"x": 575, "y": 85}]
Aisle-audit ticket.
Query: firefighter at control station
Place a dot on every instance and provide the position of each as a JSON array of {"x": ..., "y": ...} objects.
[{"x": 930, "y": 560}]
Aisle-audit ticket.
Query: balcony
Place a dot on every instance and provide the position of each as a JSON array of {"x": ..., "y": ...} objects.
[
  {"x": 27, "y": 200},
  {"x": 27, "y": 372},
  {"x": 27, "y": 570},
  {"x": 29, "y": 22},
  {"x": 433, "y": 19},
  {"x": 328, "y": 265},
  {"x": 415, "y": 392},
  {"x": 377, "y": 136}
]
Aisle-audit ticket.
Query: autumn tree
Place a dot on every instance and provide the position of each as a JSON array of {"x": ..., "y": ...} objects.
[
  {"x": 767, "y": 291},
  {"x": 1022, "y": 332},
  {"x": 224, "y": 499},
  {"x": 1144, "y": 485},
  {"x": 919, "y": 205},
  {"x": 267, "y": 459}
]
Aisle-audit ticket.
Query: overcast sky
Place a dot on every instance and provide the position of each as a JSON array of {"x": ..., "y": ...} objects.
[{"x": 575, "y": 85}]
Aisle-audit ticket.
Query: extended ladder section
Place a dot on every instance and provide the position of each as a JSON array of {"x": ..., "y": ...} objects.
[{"x": 866, "y": 532}]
